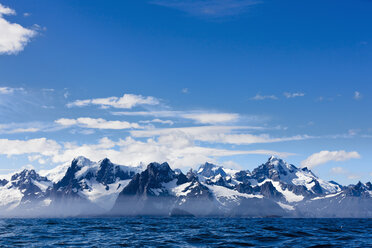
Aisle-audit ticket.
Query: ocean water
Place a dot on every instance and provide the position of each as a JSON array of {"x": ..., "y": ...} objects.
[{"x": 185, "y": 232}]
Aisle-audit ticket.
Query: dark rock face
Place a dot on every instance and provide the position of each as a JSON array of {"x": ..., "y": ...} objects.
[
  {"x": 369, "y": 185},
  {"x": 316, "y": 188},
  {"x": 299, "y": 190},
  {"x": 108, "y": 173},
  {"x": 268, "y": 190},
  {"x": 145, "y": 194},
  {"x": 69, "y": 184},
  {"x": 151, "y": 178},
  {"x": 243, "y": 176},
  {"x": 245, "y": 188},
  {"x": 3, "y": 182},
  {"x": 358, "y": 190}
]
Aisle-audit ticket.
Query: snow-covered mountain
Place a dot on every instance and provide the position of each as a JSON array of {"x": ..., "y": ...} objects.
[{"x": 274, "y": 188}]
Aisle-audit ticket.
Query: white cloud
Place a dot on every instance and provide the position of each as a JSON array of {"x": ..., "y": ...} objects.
[
  {"x": 41, "y": 146},
  {"x": 327, "y": 156},
  {"x": 357, "y": 95},
  {"x": 293, "y": 95},
  {"x": 13, "y": 37},
  {"x": 259, "y": 97},
  {"x": 169, "y": 122},
  {"x": 9, "y": 90},
  {"x": 185, "y": 90},
  {"x": 127, "y": 101},
  {"x": 179, "y": 151},
  {"x": 98, "y": 123}
]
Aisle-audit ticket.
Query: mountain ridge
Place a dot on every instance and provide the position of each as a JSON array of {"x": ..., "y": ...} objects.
[{"x": 104, "y": 188}]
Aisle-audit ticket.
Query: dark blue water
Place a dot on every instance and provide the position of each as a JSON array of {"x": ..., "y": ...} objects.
[{"x": 185, "y": 232}]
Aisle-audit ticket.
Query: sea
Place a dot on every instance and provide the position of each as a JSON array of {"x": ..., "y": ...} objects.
[{"x": 185, "y": 232}]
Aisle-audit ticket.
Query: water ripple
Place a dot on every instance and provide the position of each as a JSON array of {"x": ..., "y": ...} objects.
[{"x": 185, "y": 232}]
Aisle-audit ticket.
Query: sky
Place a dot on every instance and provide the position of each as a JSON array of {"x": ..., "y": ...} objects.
[{"x": 229, "y": 82}]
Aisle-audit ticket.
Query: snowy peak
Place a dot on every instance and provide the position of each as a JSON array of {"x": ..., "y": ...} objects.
[
  {"x": 29, "y": 182},
  {"x": 81, "y": 162},
  {"x": 211, "y": 170},
  {"x": 24, "y": 187},
  {"x": 26, "y": 176},
  {"x": 275, "y": 169},
  {"x": 92, "y": 181}
]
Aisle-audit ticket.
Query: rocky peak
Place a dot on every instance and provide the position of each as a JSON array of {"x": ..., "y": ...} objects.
[
  {"x": 108, "y": 172},
  {"x": 211, "y": 170},
  {"x": 3, "y": 182},
  {"x": 369, "y": 185},
  {"x": 81, "y": 161},
  {"x": 25, "y": 177},
  {"x": 160, "y": 172},
  {"x": 69, "y": 182},
  {"x": 274, "y": 169},
  {"x": 357, "y": 190}
]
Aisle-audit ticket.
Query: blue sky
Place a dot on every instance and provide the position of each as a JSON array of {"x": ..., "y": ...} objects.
[{"x": 230, "y": 82}]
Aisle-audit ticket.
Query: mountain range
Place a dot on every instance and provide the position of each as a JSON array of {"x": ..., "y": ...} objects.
[{"x": 87, "y": 188}]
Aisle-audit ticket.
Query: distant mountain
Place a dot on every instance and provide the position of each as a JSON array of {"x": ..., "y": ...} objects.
[{"x": 86, "y": 188}]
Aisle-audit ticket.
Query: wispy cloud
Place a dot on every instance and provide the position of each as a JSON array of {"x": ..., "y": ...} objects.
[
  {"x": 13, "y": 37},
  {"x": 208, "y": 8},
  {"x": 9, "y": 90},
  {"x": 293, "y": 95},
  {"x": 98, "y": 123},
  {"x": 207, "y": 118},
  {"x": 357, "y": 95},
  {"x": 218, "y": 134},
  {"x": 127, "y": 101},
  {"x": 327, "y": 156},
  {"x": 259, "y": 97},
  {"x": 342, "y": 171},
  {"x": 202, "y": 117}
]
